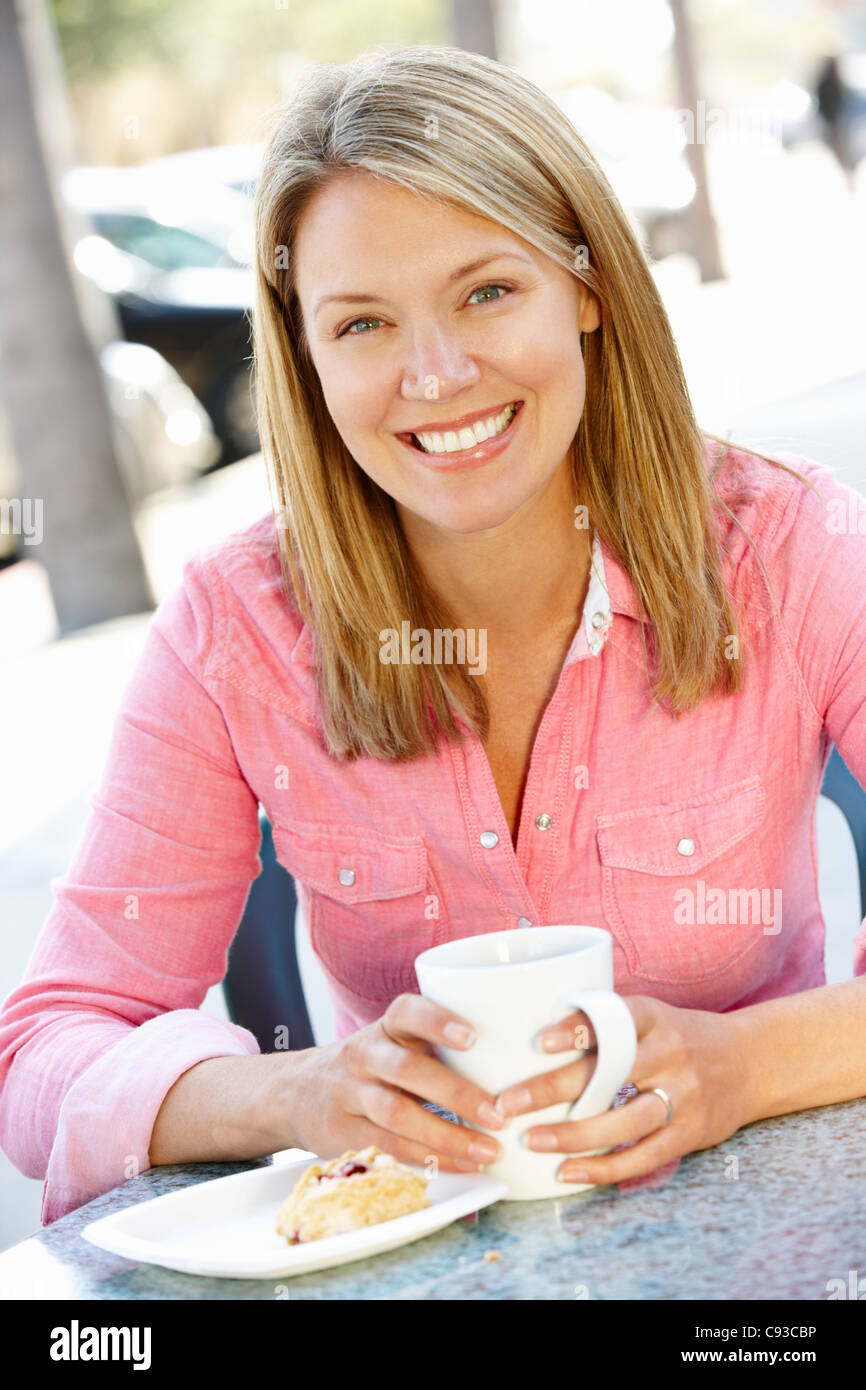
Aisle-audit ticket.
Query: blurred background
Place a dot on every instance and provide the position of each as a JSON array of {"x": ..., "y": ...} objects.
[{"x": 734, "y": 131}]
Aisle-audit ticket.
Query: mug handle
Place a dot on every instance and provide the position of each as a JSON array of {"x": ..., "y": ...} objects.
[{"x": 615, "y": 1032}]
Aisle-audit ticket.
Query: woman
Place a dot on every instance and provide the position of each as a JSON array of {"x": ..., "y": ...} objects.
[{"x": 646, "y": 643}]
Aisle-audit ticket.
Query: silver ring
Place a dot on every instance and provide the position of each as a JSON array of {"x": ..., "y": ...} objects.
[{"x": 663, "y": 1095}]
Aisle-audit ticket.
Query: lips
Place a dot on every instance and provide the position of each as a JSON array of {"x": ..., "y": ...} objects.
[
  {"x": 473, "y": 457},
  {"x": 455, "y": 426}
]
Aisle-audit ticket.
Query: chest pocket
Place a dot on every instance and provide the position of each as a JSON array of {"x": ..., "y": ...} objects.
[
  {"x": 683, "y": 883},
  {"x": 374, "y": 904}
]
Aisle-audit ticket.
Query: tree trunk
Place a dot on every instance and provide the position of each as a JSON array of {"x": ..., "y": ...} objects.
[
  {"x": 705, "y": 232},
  {"x": 50, "y": 377},
  {"x": 473, "y": 23}
]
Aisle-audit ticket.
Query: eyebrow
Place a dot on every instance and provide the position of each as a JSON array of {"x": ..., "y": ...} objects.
[{"x": 477, "y": 264}]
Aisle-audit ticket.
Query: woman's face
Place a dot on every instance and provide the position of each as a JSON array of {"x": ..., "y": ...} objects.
[{"x": 409, "y": 339}]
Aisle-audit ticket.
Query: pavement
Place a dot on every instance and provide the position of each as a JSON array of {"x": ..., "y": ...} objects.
[{"x": 777, "y": 353}]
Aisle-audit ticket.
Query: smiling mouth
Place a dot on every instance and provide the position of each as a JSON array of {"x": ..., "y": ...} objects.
[{"x": 454, "y": 443}]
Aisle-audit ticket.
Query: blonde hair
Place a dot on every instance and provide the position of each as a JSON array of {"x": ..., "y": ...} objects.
[{"x": 470, "y": 132}]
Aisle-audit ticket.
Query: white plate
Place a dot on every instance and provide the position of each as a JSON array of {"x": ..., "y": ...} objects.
[{"x": 226, "y": 1227}]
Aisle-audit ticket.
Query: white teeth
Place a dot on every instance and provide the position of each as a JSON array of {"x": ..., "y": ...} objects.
[{"x": 453, "y": 441}]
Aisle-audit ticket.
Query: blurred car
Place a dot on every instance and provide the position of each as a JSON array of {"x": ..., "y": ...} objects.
[
  {"x": 801, "y": 121},
  {"x": 234, "y": 166},
  {"x": 175, "y": 254},
  {"x": 640, "y": 150},
  {"x": 162, "y": 433}
]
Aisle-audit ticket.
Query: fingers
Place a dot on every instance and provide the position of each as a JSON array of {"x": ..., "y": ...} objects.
[
  {"x": 576, "y": 1031},
  {"x": 395, "y": 1069},
  {"x": 625, "y": 1125},
  {"x": 407, "y": 1150},
  {"x": 564, "y": 1083},
  {"x": 572, "y": 1033},
  {"x": 638, "y": 1129},
  {"x": 392, "y": 1070},
  {"x": 411, "y": 1016},
  {"x": 428, "y": 1078},
  {"x": 655, "y": 1148},
  {"x": 391, "y": 1057},
  {"x": 404, "y": 1121},
  {"x": 567, "y": 1083}
]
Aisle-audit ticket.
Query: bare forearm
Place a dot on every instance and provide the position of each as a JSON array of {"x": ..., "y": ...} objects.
[
  {"x": 218, "y": 1110},
  {"x": 803, "y": 1050}
]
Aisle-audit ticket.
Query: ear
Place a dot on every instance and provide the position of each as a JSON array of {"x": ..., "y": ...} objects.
[{"x": 589, "y": 315}]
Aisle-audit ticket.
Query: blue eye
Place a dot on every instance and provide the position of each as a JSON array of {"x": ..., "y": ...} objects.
[
  {"x": 491, "y": 287},
  {"x": 370, "y": 318}
]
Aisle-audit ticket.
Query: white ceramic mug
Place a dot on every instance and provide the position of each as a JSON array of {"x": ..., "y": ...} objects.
[{"x": 510, "y": 985}]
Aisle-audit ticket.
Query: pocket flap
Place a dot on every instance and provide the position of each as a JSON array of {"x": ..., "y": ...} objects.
[
  {"x": 351, "y": 864},
  {"x": 657, "y": 839}
]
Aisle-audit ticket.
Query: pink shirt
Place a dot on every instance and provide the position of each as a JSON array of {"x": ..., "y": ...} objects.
[{"x": 692, "y": 842}]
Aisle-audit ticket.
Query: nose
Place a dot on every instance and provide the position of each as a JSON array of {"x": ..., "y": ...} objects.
[{"x": 436, "y": 365}]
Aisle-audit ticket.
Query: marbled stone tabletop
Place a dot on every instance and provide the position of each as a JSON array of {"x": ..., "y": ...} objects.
[{"x": 776, "y": 1212}]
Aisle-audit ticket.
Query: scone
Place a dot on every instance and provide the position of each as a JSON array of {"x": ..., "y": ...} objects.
[{"x": 357, "y": 1189}]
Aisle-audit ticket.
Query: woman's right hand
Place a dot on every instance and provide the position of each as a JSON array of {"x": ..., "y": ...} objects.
[{"x": 368, "y": 1088}]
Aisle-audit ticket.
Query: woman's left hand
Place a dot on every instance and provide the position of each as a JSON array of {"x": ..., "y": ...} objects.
[{"x": 693, "y": 1055}]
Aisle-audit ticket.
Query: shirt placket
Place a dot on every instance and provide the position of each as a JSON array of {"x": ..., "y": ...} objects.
[
  {"x": 487, "y": 832},
  {"x": 521, "y": 879}
]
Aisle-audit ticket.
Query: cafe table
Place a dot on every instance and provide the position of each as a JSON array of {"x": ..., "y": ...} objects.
[{"x": 778, "y": 1211}]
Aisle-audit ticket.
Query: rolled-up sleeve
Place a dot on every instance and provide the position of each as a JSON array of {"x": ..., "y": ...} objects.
[{"x": 107, "y": 1016}]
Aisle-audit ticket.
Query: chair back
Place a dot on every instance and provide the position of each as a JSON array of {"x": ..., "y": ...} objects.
[
  {"x": 262, "y": 985},
  {"x": 841, "y": 787}
]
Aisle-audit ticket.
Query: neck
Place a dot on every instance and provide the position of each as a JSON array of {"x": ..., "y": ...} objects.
[{"x": 518, "y": 580}]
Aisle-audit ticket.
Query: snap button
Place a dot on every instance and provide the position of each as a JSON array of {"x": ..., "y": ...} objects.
[
  {"x": 544, "y": 822},
  {"x": 524, "y": 922},
  {"x": 686, "y": 846},
  {"x": 489, "y": 839},
  {"x": 347, "y": 877},
  {"x": 597, "y": 619}
]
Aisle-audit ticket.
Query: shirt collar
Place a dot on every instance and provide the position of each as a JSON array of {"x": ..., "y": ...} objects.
[
  {"x": 610, "y": 591},
  {"x": 597, "y": 617},
  {"x": 620, "y": 588}
]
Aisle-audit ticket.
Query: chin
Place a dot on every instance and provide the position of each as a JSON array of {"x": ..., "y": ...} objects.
[{"x": 467, "y": 519}]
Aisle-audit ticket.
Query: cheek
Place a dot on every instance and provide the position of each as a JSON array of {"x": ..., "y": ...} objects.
[
  {"x": 357, "y": 404},
  {"x": 575, "y": 398},
  {"x": 550, "y": 360},
  {"x": 571, "y": 387},
  {"x": 347, "y": 406},
  {"x": 560, "y": 385},
  {"x": 350, "y": 393}
]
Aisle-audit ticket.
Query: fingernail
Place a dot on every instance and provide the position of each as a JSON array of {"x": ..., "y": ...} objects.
[
  {"x": 553, "y": 1042},
  {"x": 484, "y": 1150},
  {"x": 459, "y": 1034},
  {"x": 543, "y": 1142},
  {"x": 514, "y": 1102},
  {"x": 489, "y": 1116},
  {"x": 466, "y": 1166},
  {"x": 574, "y": 1175}
]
